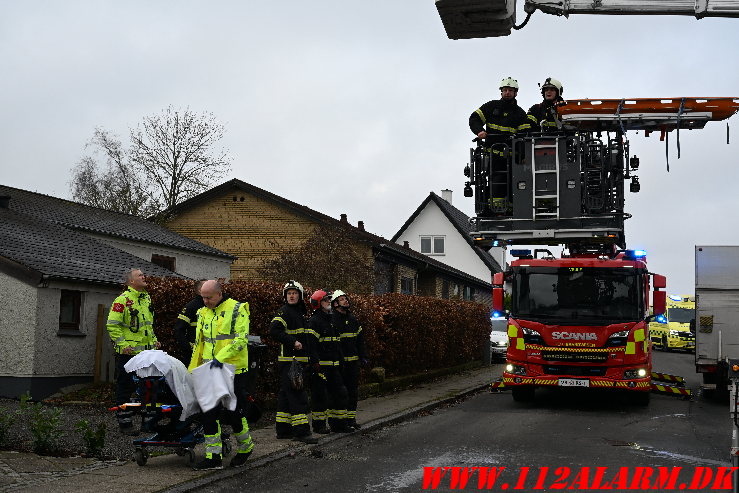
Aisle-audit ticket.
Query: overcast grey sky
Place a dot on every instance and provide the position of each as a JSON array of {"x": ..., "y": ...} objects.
[{"x": 361, "y": 107}]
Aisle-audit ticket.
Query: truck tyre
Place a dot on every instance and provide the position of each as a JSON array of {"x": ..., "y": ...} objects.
[
  {"x": 523, "y": 394},
  {"x": 665, "y": 345},
  {"x": 641, "y": 398}
]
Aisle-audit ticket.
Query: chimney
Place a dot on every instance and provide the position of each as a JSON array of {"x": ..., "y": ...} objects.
[
  {"x": 406, "y": 244},
  {"x": 360, "y": 225},
  {"x": 446, "y": 194},
  {"x": 4, "y": 201},
  {"x": 343, "y": 218}
]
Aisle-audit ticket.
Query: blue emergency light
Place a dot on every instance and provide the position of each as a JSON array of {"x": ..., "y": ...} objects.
[
  {"x": 661, "y": 319},
  {"x": 520, "y": 253},
  {"x": 675, "y": 298}
]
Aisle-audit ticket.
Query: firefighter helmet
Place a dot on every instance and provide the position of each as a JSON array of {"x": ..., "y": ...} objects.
[
  {"x": 509, "y": 82},
  {"x": 552, "y": 83},
  {"x": 292, "y": 285},
  {"x": 336, "y": 294},
  {"x": 317, "y": 297}
]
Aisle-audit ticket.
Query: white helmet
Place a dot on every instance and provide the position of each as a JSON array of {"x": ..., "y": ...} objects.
[
  {"x": 552, "y": 83},
  {"x": 509, "y": 82},
  {"x": 292, "y": 285},
  {"x": 336, "y": 294}
]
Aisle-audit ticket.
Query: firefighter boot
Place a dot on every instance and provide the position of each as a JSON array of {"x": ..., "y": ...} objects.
[
  {"x": 209, "y": 463},
  {"x": 239, "y": 459}
]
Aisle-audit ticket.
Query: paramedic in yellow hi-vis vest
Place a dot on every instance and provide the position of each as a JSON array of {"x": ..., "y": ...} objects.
[
  {"x": 221, "y": 337},
  {"x": 131, "y": 327}
]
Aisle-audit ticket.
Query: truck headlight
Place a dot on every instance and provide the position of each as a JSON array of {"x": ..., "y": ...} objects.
[
  {"x": 515, "y": 369},
  {"x": 635, "y": 373}
]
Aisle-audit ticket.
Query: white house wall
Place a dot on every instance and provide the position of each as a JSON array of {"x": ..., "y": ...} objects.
[
  {"x": 431, "y": 221},
  {"x": 17, "y": 323},
  {"x": 190, "y": 264},
  {"x": 68, "y": 356}
]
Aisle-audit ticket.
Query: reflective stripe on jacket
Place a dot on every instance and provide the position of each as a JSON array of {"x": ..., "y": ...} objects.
[
  {"x": 221, "y": 333},
  {"x": 131, "y": 321}
]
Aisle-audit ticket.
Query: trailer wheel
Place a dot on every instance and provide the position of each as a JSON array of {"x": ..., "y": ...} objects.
[
  {"x": 141, "y": 456},
  {"x": 523, "y": 394}
]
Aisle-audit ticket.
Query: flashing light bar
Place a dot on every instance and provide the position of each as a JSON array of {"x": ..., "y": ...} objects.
[
  {"x": 661, "y": 319},
  {"x": 520, "y": 253},
  {"x": 497, "y": 316},
  {"x": 676, "y": 298}
]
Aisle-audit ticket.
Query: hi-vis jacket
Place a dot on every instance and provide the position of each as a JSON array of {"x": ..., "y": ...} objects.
[
  {"x": 131, "y": 321},
  {"x": 288, "y": 326},
  {"x": 501, "y": 119},
  {"x": 350, "y": 332},
  {"x": 221, "y": 334}
]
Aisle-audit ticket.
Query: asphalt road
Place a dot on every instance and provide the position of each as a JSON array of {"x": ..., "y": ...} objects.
[{"x": 578, "y": 429}]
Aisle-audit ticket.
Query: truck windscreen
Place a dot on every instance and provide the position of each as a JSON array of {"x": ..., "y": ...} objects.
[
  {"x": 681, "y": 315},
  {"x": 577, "y": 295}
]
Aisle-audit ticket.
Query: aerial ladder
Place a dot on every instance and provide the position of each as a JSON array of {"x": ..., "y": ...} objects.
[{"x": 466, "y": 19}]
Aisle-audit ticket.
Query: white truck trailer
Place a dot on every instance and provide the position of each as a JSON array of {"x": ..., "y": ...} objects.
[{"x": 717, "y": 313}]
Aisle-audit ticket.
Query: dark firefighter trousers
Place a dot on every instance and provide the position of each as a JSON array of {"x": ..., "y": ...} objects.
[
  {"x": 350, "y": 372},
  {"x": 329, "y": 399},
  {"x": 292, "y": 407}
]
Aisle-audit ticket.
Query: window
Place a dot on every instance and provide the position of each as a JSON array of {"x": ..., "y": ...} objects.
[
  {"x": 469, "y": 293},
  {"x": 432, "y": 245},
  {"x": 163, "y": 261},
  {"x": 69, "y": 311},
  {"x": 406, "y": 285}
]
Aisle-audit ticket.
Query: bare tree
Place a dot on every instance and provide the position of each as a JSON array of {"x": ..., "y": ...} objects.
[
  {"x": 171, "y": 158},
  {"x": 114, "y": 185},
  {"x": 174, "y": 152}
]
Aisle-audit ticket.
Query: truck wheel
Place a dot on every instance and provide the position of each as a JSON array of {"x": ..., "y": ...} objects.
[
  {"x": 523, "y": 394},
  {"x": 665, "y": 346},
  {"x": 641, "y": 398}
]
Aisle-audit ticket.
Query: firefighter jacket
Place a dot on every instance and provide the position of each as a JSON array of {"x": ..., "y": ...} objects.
[
  {"x": 184, "y": 326},
  {"x": 326, "y": 343},
  {"x": 501, "y": 119},
  {"x": 288, "y": 326},
  {"x": 131, "y": 321},
  {"x": 543, "y": 116},
  {"x": 350, "y": 332},
  {"x": 221, "y": 333}
]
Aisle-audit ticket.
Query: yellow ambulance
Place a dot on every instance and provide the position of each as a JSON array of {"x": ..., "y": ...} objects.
[{"x": 676, "y": 328}]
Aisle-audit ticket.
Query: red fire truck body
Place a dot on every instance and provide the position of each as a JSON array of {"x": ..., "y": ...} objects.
[{"x": 579, "y": 322}]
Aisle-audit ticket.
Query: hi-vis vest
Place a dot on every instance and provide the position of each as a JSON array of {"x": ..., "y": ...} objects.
[
  {"x": 221, "y": 334},
  {"x": 131, "y": 322}
]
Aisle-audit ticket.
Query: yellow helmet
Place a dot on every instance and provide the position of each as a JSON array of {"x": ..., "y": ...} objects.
[{"x": 509, "y": 82}]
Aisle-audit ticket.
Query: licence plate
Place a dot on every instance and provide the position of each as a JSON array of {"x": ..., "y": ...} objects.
[{"x": 573, "y": 382}]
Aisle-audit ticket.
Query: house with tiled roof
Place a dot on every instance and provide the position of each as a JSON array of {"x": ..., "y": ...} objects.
[
  {"x": 61, "y": 265},
  {"x": 257, "y": 226},
  {"x": 438, "y": 229}
]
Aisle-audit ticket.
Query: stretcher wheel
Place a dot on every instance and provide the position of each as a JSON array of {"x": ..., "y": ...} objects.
[
  {"x": 190, "y": 456},
  {"x": 141, "y": 456},
  {"x": 226, "y": 447}
]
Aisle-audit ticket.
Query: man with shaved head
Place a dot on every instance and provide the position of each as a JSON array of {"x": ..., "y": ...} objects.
[
  {"x": 221, "y": 337},
  {"x": 131, "y": 327}
]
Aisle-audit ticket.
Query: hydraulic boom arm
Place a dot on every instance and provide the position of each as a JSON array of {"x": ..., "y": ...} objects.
[{"x": 464, "y": 19}]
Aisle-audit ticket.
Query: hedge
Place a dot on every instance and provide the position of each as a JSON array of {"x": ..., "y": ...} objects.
[{"x": 404, "y": 334}]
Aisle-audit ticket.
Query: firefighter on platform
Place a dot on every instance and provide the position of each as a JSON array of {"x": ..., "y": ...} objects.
[
  {"x": 496, "y": 122},
  {"x": 288, "y": 328},
  {"x": 353, "y": 349},
  {"x": 328, "y": 392},
  {"x": 543, "y": 116},
  {"x": 221, "y": 337},
  {"x": 131, "y": 327}
]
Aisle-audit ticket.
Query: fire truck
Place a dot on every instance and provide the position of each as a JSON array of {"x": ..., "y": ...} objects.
[{"x": 580, "y": 319}]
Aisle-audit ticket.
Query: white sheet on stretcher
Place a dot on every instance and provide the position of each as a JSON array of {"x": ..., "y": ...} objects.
[
  {"x": 214, "y": 386},
  {"x": 156, "y": 363}
]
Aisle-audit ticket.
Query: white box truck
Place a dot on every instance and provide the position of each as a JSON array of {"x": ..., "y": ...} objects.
[{"x": 717, "y": 313}]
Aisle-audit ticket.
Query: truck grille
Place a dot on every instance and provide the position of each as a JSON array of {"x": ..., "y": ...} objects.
[
  {"x": 583, "y": 371},
  {"x": 579, "y": 357}
]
